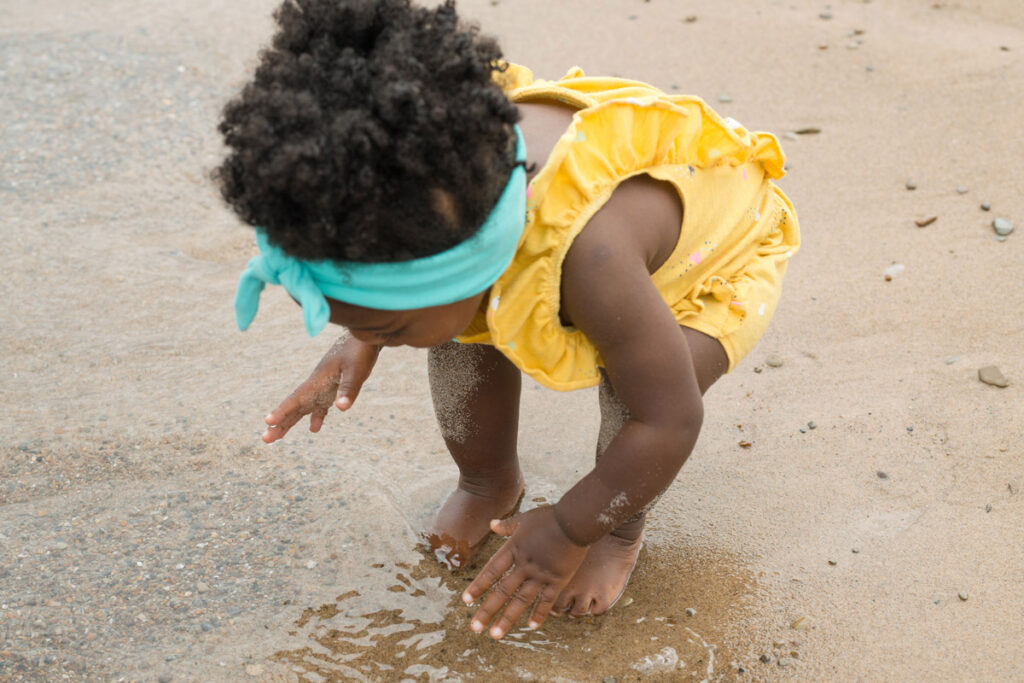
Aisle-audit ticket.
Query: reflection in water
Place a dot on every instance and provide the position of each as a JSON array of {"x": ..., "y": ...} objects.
[{"x": 408, "y": 623}]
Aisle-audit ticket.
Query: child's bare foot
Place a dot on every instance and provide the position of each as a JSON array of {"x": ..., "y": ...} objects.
[
  {"x": 463, "y": 522},
  {"x": 602, "y": 578}
]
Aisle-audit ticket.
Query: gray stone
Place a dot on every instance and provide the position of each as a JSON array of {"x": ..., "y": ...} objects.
[
  {"x": 724, "y": 99},
  {"x": 962, "y": 189},
  {"x": 985, "y": 206},
  {"x": 1002, "y": 226},
  {"x": 911, "y": 185},
  {"x": 812, "y": 425},
  {"x": 990, "y": 374},
  {"x": 774, "y": 361},
  {"x": 690, "y": 612}
]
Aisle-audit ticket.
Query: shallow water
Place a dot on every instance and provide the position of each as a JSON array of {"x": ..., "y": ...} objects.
[{"x": 417, "y": 628}]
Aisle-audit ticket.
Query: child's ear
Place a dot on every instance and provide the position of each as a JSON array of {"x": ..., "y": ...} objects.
[{"x": 444, "y": 205}]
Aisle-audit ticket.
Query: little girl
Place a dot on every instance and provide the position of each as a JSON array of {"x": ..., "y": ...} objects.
[{"x": 406, "y": 183}]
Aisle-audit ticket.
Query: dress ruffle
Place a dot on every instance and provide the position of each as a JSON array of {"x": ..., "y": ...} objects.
[{"x": 622, "y": 128}]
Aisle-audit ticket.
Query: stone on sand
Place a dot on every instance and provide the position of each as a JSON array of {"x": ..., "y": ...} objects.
[
  {"x": 990, "y": 374},
  {"x": 1002, "y": 226}
]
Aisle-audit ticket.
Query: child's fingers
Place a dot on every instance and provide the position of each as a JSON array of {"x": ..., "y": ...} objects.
[
  {"x": 273, "y": 433},
  {"x": 517, "y": 604},
  {"x": 348, "y": 391},
  {"x": 502, "y": 592},
  {"x": 545, "y": 601},
  {"x": 316, "y": 421},
  {"x": 495, "y": 568},
  {"x": 277, "y": 430},
  {"x": 280, "y": 414}
]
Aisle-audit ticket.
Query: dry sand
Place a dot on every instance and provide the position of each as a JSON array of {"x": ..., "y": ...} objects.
[{"x": 145, "y": 534}]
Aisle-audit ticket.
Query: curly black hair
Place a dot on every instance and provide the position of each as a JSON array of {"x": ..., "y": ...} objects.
[{"x": 373, "y": 130}]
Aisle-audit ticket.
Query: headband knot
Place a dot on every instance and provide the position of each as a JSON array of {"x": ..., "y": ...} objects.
[{"x": 458, "y": 273}]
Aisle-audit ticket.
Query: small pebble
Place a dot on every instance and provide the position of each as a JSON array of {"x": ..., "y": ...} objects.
[
  {"x": 894, "y": 270},
  {"x": 910, "y": 429},
  {"x": 812, "y": 130},
  {"x": 962, "y": 189},
  {"x": 812, "y": 425},
  {"x": 1002, "y": 226},
  {"x": 690, "y": 612},
  {"x": 925, "y": 222},
  {"x": 825, "y": 15},
  {"x": 758, "y": 369},
  {"x": 202, "y": 587},
  {"x": 855, "y": 550},
  {"x": 988, "y": 507},
  {"x": 627, "y": 602},
  {"x": 801, "y": 624},
  {"x": 724, "y": 98},
  {"x": 911, "y": 185},
  {"x": 985, "y": 206},
  {"x": 990, "y": 374},
  {"x": 690, "y": 19},
  {"x": 783, "y": 661},
  {"x": 833, "y": 562},
  {"x": 953, "y": 359},
  {"x": 789, "y": 135},
  {"x": 882, "y": 475},
  {"x": 803, "y": 431},
  {"x": 963, "y": 596},
  {"x": 774, "y": 361},
  {"x": 766, "y": 659}
]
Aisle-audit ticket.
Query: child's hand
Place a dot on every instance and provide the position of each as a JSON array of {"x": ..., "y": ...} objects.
[
  {"x": 337, "y": 379},
  {"x": 536, "y": 563}
]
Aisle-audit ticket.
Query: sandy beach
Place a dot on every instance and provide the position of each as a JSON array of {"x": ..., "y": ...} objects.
[{"x": 853, "y": 510}]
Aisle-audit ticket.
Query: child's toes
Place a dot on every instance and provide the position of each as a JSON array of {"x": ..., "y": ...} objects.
[
  {"x": 562, "y": 606},
  {"x": 599, "y": 606},
  {"x": 581, "y": 607}
]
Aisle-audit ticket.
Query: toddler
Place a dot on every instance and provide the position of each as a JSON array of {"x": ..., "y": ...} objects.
[{"x": 408, "y": 184}]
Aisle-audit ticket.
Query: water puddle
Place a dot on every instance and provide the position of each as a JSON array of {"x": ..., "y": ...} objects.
[{"x": 685, "y": 616}]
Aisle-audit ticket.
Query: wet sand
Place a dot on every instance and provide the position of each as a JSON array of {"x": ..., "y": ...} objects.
[{"x": 148, "y": 535}]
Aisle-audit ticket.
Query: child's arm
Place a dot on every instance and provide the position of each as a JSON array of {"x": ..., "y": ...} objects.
[
  {"x": 608, "y": 294},
  {"x": 337, "y": 379}
]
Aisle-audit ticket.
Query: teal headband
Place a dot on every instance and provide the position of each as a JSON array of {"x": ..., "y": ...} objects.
[{"x": 466, "y": 269}]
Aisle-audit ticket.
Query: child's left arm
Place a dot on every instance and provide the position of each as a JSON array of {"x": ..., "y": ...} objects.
[{"x": 608, "y": 294}]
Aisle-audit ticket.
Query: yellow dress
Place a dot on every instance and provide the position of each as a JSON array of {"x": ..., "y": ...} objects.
[{"x": 739, "y": 230}]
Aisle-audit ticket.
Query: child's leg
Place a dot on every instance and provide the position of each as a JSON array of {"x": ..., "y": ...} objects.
[
  {"x": 476, "y": 399},
  {"x": 602, "y": 577}
]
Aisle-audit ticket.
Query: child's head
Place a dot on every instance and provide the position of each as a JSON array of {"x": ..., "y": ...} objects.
[{"x": 372, "y": 131}]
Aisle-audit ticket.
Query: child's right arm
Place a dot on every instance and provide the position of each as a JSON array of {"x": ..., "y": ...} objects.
[{"x": 337, "y": 379}]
